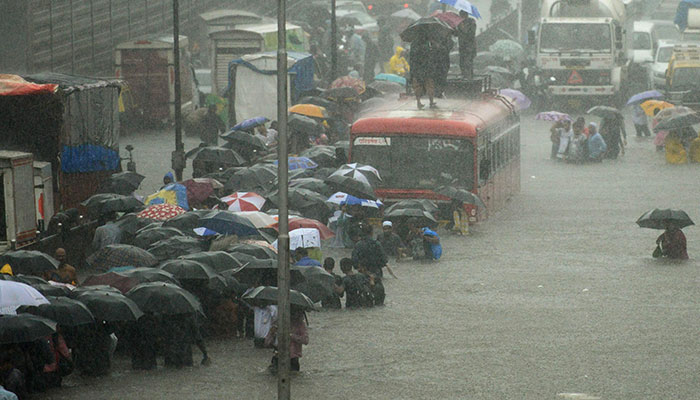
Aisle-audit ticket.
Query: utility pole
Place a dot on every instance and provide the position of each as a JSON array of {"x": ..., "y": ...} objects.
[
  {"x": 283, "y": 317},
  {"x": 178, "y": 156},
  {"x": 334, "y": 43}
]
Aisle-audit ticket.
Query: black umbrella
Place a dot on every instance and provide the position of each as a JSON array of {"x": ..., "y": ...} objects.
[
  {"x": 30, "y": 279},
  {"x": 176, "y": 246},
  {"x": 245, "y": 139},
  {"x": 120, "y": 255},
  {"x": 93, "y": 288},
  {"x": 319, "y": 101},
  {"x": 460, "y": 194},
  {"x": 420, "y": 204},
  {"x": 254, "y": 250},
  {"x": 216, "y": 154},
  {"x": 302, "y": 123},
  {"x": 148, "y": 236},
  {"x": 188, "y": 270},
  {"x": 123, "y": 183},
  {"x": 186, "y": 222},
  {"x": 312, "y": 184},
  {"x": 229, "y": 223},
  {"x": 8, "y": 277},
  {"x": 62, "y": 310},
  {"x": 145, "y": 275},
  {"x": 24, "y": 328},
  {"x": 109, "y": 306},
  {"x": 301, "y": 173},
  {"x": 404, "y": 213},
  {"x": 29, "y": 262},
  {"x": 661, "y": 219},
  {"x": 232, "y": 283},
  {"x": 426, "y": 28},
  {"x": 266, "y": 295},
  {"x": 301, "y": 198},
  {"x": 216, "y": 260},
  {"x": 130, "y": 223},
  {"x": 51, "y": 290},
  {"x": 105, "y": 203},
  {"x": 605, "y": 112},
  {"x": 340, "y": 94},
  {"x": 250, "y": 179},
  {"x": 351, "y": 186},
  {"x": 256, "y": 271},
  {"x": 318, "y": 284},
  {"x": 160, "y": 298},
  {"x": 324, "y": 156},
  {"x": 678, "y": 122}
]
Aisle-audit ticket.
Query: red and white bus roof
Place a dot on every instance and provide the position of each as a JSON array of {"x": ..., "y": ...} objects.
[{"x": 453, "y": 117}]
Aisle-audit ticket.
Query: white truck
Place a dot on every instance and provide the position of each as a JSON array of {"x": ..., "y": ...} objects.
[
  {"x": 582, "y": 50},
  {"x": 18, "y": 224}
]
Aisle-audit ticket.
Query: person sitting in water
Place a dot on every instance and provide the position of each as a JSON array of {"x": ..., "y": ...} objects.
[{"x": 672, "y": 243}]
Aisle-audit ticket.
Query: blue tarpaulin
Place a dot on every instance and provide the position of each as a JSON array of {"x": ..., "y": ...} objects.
[
  {"x": 682, "y": 13},
  {"x": 88, "y": 158}
]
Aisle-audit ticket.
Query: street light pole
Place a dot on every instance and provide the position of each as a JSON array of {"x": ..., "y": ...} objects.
[
  {"x": 283, "y": 311},
  {"x": 178, "y": 156},
  {"x": 334, "y": 44}
]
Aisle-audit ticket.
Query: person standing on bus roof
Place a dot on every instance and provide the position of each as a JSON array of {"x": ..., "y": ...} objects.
[
  {"x": 466, "y": 35},
  {"x": 422, "y": 62}
]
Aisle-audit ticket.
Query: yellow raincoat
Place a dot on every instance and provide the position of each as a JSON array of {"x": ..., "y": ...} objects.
[
  {"x": 398, "y": 64},
  {"x": 6, "y": 269},
  {"x": 694, "y": 152},
  {"x": 675, "y": 152}
]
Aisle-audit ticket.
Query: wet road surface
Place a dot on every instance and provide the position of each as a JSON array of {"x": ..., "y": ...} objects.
[{"x": 554, "y": 297}]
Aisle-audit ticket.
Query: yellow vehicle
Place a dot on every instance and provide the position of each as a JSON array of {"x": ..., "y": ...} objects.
[{"x": 683, "y": 76}]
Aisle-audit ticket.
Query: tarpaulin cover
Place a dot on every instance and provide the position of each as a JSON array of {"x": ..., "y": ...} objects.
[
  {"x": 255, "y": 86},
  {"x": 681, "y": 18},
  {"x": 14, "y": 85},
  {"x": 90, "y": 138},
  {"x": 174, "y": 193}
]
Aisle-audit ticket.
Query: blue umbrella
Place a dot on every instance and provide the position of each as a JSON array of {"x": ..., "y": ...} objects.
[
  {"x": 249, "y": 123},
  {"x": 299, "y": 163},
  {"x": 463, "y": 5},
  {"x": 204, "y": 232},
  {"x": 640, "y": 98},
  {"x": 228, "y": 223},
  {"x": 391, "y": 78}
]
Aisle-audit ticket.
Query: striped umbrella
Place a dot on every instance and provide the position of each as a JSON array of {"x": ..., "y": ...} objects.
[
  {"x": 553, "y": 116},
  {"x": 244, "y": 201},
  {"x": 363, "y": 173}
]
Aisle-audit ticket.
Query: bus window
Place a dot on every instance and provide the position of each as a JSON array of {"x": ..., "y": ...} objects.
[{"x": 417, "y": 162}]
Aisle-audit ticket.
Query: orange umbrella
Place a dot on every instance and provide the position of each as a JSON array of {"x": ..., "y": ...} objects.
[
  {"x": 310, "y": 110},
  {"x": 650, "y": 106}
]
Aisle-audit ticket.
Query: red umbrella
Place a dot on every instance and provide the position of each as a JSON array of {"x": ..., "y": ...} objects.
[
  {"x": 199, "y": 189},
  {"x": 244, "y": 201},
  {"x": 298, "y": 222},
  {"x": 161, "y": 212},
  {"x": 347, "y": 81},
  {"x": 448, "y": 17}
]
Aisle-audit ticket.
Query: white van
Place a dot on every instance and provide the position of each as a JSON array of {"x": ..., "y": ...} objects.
[{"x": 643, "y": 41}]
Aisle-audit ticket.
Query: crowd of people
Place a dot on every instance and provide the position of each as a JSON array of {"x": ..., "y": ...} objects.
[{"x": 580, "y": 143}]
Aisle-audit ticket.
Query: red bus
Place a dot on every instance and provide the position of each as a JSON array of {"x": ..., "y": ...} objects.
[{"x": 473, "y": 143}]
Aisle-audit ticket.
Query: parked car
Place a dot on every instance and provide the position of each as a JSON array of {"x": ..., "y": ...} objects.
[{"x": 657, "y": 69}]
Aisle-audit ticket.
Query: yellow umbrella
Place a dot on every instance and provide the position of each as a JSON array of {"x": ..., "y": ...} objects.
[
  {"x": 310, "y": 110},
  {"x": 650, "y": 106}
]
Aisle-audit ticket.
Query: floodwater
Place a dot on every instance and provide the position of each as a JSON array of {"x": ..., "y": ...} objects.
[{"x": 556, "y": 296}]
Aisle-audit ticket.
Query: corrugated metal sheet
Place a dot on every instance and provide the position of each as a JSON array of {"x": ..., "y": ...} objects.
[{"x": 78, "y": 36}]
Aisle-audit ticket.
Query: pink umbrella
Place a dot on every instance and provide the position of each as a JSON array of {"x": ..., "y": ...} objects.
[
  {"x": 347, "y": 81},
  {"x": 448, "y": 17},
  {"x": 199, "y": 189},
  {"x": 244, "y": 201}
]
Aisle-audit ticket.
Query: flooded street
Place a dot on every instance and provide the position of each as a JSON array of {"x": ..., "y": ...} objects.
[{"x": 555, "y": 295}]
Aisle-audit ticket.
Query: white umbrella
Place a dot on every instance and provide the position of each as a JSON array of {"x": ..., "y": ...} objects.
[
  {"x": 303, "y": 238},
  {"x": 15, "y": 294},
  {"x": 358, "y": 171}
]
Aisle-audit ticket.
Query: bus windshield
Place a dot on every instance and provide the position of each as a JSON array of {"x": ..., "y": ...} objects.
[
  {"x": 417, "y": 162},
  {"x": 556, "y": 37}
]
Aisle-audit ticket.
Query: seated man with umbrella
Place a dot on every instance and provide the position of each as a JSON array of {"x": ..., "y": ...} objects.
[{"x": 672, "y": 243}]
